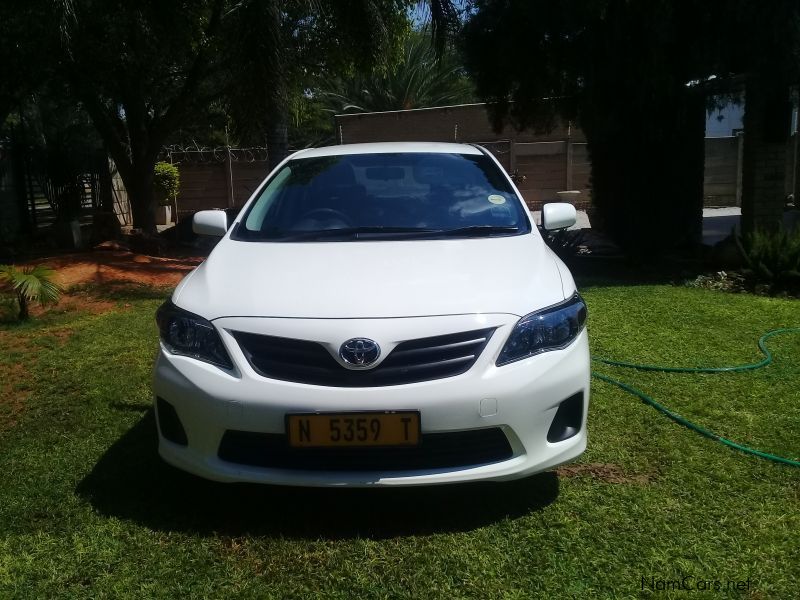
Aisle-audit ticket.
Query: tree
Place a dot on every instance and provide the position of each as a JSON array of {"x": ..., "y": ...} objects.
[
  {"x": 142, "y": 70},
  {"x": 21, "y": 62},
  {"x": 621, "y": 69},
  {"x": 634, "y": 74},
  {"x": 139, "y": 70}
]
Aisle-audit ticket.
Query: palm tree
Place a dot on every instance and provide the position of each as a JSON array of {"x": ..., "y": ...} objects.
[
  {"x": 30, "y": 284},
  {"x": 423, "y": 78}
]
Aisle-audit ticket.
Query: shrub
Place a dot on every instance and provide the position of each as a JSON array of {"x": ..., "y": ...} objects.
[
  {"x": 565, "y": 243},
  {"x": 30, "y": 284},
  {"x": 721, "y": 280},
  {"x": 166, "y": 181},
  {"x": 772, "y": 257}
]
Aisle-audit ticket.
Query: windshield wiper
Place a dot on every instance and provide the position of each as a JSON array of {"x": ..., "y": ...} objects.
[
  {"x": 354, "y": 233},
  {"x": 479, "y": 230},
  {"x": 381, "y": 232}
]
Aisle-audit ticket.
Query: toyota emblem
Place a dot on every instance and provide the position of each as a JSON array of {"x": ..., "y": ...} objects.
[{"x": 360, "y": 352}]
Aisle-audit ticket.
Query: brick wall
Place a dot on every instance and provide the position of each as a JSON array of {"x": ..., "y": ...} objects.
[
  {"x": 465, "y": 123},
  {"x": 208, "y": 185}
]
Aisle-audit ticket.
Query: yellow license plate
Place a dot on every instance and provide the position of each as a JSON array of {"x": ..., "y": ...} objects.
[{"x": 401, "y": 428}]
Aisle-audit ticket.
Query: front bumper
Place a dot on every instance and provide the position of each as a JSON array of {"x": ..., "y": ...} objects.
[{"x": 521, "y": 399}]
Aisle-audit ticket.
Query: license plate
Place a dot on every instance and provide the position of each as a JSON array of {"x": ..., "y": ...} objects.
[{"x": 401, "y": 428}]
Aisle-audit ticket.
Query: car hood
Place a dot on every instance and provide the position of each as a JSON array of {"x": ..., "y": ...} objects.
[{"x": 373, "y": 279}]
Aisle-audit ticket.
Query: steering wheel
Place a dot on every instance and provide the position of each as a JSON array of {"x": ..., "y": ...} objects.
[{"x": 327, "y": 213}]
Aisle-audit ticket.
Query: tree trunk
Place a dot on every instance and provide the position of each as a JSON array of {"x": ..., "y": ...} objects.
[
  {"x": 277, "y": 96},
  {"x": 24, "y": 315},
  {"x": 136, "y": 171},
  {"x": 139, "y": 185},
  {"x": 105, "y": 224},
  {"x": 277, "y": 138},
  {"x": 20, "y": 187},
  {"x": 277, "y": 118}
]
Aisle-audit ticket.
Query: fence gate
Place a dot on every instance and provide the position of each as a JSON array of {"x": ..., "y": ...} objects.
[{"x": 75, "y": 196}]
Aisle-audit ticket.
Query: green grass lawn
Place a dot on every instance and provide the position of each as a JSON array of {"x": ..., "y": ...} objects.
[{"x": 88, "y": 509}]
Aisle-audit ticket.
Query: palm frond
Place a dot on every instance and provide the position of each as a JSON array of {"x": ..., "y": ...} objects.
[
  {"x": 35, "y": 283},
  {"x": 421, "y": 79}
]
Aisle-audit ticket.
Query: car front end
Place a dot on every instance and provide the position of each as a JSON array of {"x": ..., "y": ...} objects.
[{"x": 399, "y": 359}]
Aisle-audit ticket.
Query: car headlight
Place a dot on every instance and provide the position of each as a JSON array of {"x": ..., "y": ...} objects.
[
  {"x": 553, "y": 328},
  {"x": 191, "y": 335}
]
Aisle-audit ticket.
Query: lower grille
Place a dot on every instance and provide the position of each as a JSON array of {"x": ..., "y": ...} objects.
[
  {"x": 436, "y": 451},
  {"x": 170, "y": 423},
  {"x": 411, "y": 361}
]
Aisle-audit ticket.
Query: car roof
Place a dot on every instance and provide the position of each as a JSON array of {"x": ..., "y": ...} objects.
[{"x": 388, "y": 147}]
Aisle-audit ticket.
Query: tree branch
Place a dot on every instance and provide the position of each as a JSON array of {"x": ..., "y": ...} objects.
[
  {"x": 162, "y": 126},
  {"x": 105, "y": 125}
]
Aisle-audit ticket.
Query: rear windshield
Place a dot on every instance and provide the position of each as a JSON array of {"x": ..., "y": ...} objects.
[{"x": 384, "y": 196}]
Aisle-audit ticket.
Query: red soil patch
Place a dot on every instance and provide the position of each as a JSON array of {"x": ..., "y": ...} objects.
[
  {"x": 109, "y": 267},
  {"x": 77, "y": 302}
]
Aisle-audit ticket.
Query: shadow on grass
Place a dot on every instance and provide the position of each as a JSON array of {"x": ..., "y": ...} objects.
[
  {"x": 130, "y": 481},
  {"x": 612, "y": 271},
  {"x": 9, "y": 310}
]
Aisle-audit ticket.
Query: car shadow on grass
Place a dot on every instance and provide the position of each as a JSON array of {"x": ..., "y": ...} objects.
[{"x": 130, "y": 481}]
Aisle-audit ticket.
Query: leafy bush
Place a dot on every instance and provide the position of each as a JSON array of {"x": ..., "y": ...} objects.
[
  {"x": 30, "y": 284},
  {"x": 166, "y": 181},
  {"x": 772, "y": 257}
]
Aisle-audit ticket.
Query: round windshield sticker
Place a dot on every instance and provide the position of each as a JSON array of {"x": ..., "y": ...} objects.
[{"x": 497, "y": 199}]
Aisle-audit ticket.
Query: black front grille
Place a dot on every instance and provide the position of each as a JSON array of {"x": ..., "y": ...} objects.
[
  {"x": 411, "y": 361},
  {"x": 436, "y": 451}
]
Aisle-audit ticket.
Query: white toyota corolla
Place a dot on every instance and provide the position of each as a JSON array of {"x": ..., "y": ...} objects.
[{"x": 377, "y": 314}]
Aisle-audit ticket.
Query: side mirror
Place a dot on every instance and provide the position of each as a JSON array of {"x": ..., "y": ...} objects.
[
  {"x": 558, "y": 215},
  {"x": 210, "y": 222}
]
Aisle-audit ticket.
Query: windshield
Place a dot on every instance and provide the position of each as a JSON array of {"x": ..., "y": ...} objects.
[{"x": 385, "y": 196}]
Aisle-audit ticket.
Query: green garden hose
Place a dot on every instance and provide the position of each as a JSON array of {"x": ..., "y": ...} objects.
[{"x": 685, "y": 422}]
